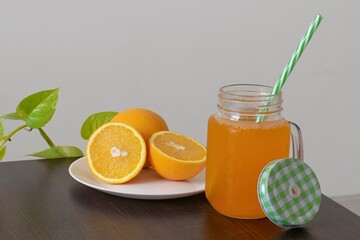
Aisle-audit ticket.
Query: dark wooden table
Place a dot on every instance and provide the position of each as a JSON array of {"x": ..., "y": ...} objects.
[{"x": 40, "y": 200}]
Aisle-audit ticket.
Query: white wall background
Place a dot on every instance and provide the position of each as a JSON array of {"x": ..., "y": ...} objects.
[{"x": 172, "y": 56}]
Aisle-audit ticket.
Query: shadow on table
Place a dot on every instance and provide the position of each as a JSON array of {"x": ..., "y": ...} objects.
[
  {"x": 142, "y": 219},
  {"x": 174, "y": 217},
  {"x": 217, "y": 226},
  {"x": 294, "y": 233},
  {"x": 95, "y": 201}
]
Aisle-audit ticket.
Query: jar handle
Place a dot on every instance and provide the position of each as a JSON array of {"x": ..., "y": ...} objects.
[{"x": 296, "y": 142}]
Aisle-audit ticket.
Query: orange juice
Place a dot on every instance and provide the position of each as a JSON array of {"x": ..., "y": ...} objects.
[
  {"x": 237, "y": 153},
  {"x": 239, "y": 146}
]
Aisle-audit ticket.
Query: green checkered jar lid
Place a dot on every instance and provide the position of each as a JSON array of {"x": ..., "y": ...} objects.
[{"x": 289, "y": 192}]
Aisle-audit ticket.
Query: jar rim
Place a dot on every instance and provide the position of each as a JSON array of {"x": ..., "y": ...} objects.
[
  {"x": 248, "y": 87},
  {"x": 238, "y": 101}
]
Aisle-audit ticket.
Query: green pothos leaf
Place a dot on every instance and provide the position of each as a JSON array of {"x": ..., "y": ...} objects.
[
  {"x": 2, "y": 153},
  {"x": 11, "y": 116},
  {"x": 38, "y": 108},
  {"x": 3, "y": 149},
  {"x": 59, "y": 152},
  {"x": 1, "y": 130},
  {"x": 94, "y": 121}
]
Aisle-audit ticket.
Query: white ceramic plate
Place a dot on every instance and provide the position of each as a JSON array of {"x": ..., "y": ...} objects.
[{"x": 147, "y": 185}]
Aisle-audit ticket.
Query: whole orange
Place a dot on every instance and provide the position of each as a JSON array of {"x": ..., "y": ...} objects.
[{"x": 145, "y": 121}]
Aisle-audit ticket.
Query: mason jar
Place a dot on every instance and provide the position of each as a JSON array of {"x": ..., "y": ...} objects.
[{"x": 246, "y": 133}]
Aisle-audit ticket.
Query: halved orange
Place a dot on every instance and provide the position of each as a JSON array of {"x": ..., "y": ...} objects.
[
  {"x": 115, "y": 153},
  {"x": 175, "y": 156}
]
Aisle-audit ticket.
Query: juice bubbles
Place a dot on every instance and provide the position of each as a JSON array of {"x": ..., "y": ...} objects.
[{"x": 239, "y": 147}]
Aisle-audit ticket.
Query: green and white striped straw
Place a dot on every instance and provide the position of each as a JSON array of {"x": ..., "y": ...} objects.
[{"x": 294, "y": 58}]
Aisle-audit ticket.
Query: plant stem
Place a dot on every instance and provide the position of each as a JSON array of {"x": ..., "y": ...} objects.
[
  {"x": 46, "y": 137},
  {"x": 8, "y": 137}
]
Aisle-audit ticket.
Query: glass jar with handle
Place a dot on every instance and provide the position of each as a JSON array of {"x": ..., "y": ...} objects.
[{"x": 244, "y": 135}]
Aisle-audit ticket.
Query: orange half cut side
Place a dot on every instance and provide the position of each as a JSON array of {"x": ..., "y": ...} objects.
[
  {"x": 175, "y": 156},
  {"x": 115, "y": 153}
]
